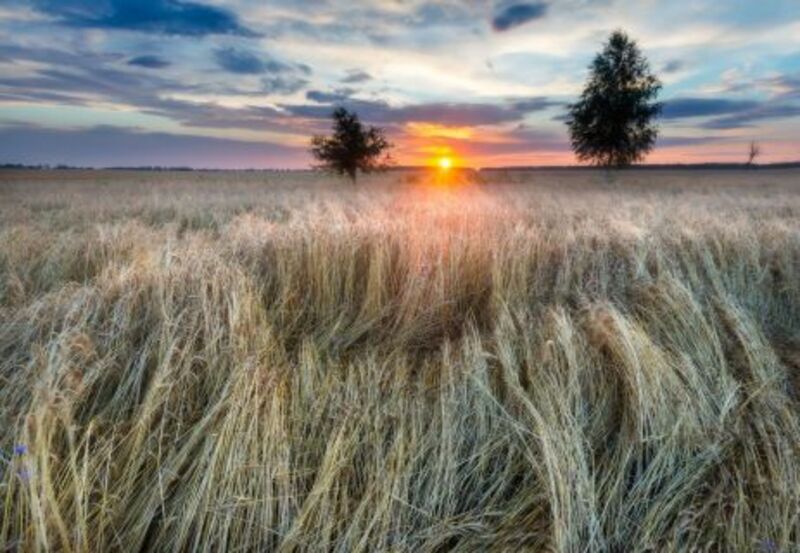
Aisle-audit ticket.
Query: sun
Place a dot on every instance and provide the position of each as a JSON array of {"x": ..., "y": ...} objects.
[{"x": 445, "y": 163}]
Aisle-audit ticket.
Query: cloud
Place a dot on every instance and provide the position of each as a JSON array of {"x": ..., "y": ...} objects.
[
  {"x": 150, "y": 62},
  {"x": 672, "y": 66},
  {"x": 283, "y": 84},
  {"x": 337, "y": 96},
  {"x": 515, "y": 15},
  {"x": 356, "y": 76},
  {"x": 40, "y": 96},
  {"x": 58, "y": 57},
  {"x": 760, "y": 113},
  {"x": 537, "y": 103},
  {"x": 777, "y": 86},
  {"x": 681, "y": 108},
  {"x": 671, "y": 141},
  {"x": 441, "y": 13},
  {"x": 213, "y": 115},
  {"x": 443, "y": 113},
  {"x": 240, "y": 61},
  {"x": 282, "y": 78},
  {"x": 783, "y": 86},
  {"x": 81, "y": 85},
  {"x": 105, "y": 146},
  {"x": 726, "y": 113},
  {"x": 171, "y": 17},
  {"x": 729, "y": 114}
]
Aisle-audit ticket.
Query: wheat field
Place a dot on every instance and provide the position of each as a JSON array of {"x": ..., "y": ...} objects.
[{"x": 545, "y": 361}]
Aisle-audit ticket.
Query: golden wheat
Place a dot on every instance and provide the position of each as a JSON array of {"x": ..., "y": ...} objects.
[{"x": 520, "y": 362}]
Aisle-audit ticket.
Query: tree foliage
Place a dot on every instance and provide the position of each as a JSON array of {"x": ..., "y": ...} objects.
[
  {"x": 352, "y": 147},
  {"x": 612, "y": 124}
]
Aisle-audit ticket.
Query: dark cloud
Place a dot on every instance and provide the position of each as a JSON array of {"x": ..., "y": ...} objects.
[
  {"x": 212, "y": 115},
  {"x": 672, "y": 66},
  {"x": 667, "y": 141},
  {"x": 303, "y": 68},
  {"x": 377, "y": 22},
  {"x": 760, "y": 113},
  {"x": 56, "y": 57},
  {"x": 172, "y": 17},
  {"x": 442, "y": 13},
  {"x": 282, "y": 77},
  {"x": 726, "y": 113},
  {"x": 38, "y": 96},
  {"x": 240, "y": 61},
  {"x": 283, "y": 84},
  {"x": 681, "y": 108},
  {"x": 518, "y": 14},
  {"x": 337, "y": 96},
  {"x": 357, "y": 76},
  {"x": 75, "y": 84},
  {"x": 444, "y": 113},
  {"x": 80, "y": 84},
  {"x": 112, "y": 146},
  {"x": 150, "y": 62},
  {"x": 537, "y": 103},
  {"x": 784, "y": 86}
]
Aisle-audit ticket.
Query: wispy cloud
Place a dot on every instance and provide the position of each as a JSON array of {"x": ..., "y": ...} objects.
[
  {"x": 443, "y": 113},
  {"x": 236, "y": 60},
  {"x": 356, "y": 76},
  {"x": 682, "y": 108},
  {"x": 149, "y": 61},
  {"x": 726, "y": 113},
  {"x": 763, "y": 112}
]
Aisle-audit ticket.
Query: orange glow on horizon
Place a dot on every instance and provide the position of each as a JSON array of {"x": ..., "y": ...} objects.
[
  {"x": 435, "y": 130},
  {"x": 488, "y": 149}
]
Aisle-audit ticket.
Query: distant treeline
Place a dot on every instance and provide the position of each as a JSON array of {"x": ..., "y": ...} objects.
[
  {"x": 43, "y": 167},
  {"x": 155, "y": 168},
  {"x": 649, "y": 166},
  {"x": 48, "y": 167}
]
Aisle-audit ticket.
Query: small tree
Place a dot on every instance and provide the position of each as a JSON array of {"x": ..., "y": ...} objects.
[
  {"x": 753, "y": 153},
  {"x": 612, "y": 124},
  {"x": 352, "y": 147}
]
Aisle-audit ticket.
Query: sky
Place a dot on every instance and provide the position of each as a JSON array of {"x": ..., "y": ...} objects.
[{"x": 246, "y": 83}]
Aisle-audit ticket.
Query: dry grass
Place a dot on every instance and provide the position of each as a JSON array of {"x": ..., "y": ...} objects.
[{"x": 278, "y": 363}]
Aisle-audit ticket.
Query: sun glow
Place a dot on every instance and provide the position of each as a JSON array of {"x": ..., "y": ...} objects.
[{"x": 445, "y": 163}]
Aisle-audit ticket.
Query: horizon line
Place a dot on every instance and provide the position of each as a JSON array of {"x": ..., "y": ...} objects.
[{"x": 180, "y": 168}]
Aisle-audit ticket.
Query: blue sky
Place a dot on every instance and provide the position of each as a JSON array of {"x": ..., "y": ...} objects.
[{"x": 245, "y": 83}]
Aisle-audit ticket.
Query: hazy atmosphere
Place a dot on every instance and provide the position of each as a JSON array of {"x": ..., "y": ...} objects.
[{"x": 243, "y": 83}]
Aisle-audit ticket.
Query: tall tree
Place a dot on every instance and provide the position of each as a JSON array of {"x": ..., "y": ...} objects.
[
  {"x": 613, "y": 122},
  {"x": 352, "y": 147}
]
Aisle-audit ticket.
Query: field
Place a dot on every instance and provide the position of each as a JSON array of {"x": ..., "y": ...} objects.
[{"x": 542, "y": 361}]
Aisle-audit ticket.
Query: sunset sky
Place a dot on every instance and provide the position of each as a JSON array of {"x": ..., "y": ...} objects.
[{"x": 245, "y": 83}]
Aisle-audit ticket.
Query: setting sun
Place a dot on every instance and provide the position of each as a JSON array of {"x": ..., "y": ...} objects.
[{"x": 445, "y": 163}]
